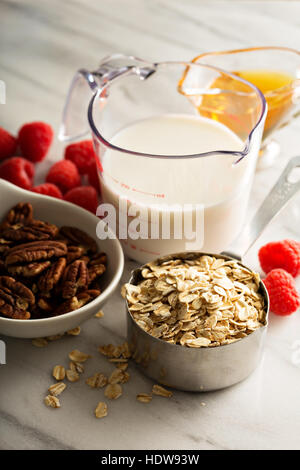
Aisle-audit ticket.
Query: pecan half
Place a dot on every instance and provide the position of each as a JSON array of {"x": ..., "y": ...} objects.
[
  {"x": 35, "y": 231},
  {"x": 35, "y": 251},
  {"x": 99, "y": 258},
  {"x": 3, "y": 271},
  {"x": 52, "y": 276},
  {"x": 78, "y": 237},
  {"x": 28, "y": 270},
  {"x": 68, "y": 306},
  {"x": 4, "y": 246},
  {"x": 96, "y": 266},
  {"x": 15, "y": 298},
  {"x": 75, "y": 278},
  {"x": 95, "y": 271},
  {"x": 74, "y": 252},
  {"x": 44, "y": 305},
  {"x": 87, "y": 296},
  {"x": 21, "y": 214}
]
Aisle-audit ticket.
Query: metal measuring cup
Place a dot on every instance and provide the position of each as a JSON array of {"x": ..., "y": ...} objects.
[{"x": 206, "y": 369}]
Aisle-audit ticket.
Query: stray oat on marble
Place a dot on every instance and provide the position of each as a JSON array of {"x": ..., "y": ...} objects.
[
  {"x": 57, "y": 389},
  {"x": 74, "y": 332},
  {"x": 72, "y": 375},
  {"x": 99, "y": 314},
  {"x": 52, "y": 401},
  {"x": 113, "y": 391},
  {"x": 101, "y": 410},
  {"x": 122, "y": 365},
  {"x": 54, "y": 337},
  {"x": 116, "y": 376},
  {"x": 161, "y": 391},
  {"x": 76, "y": 366},
  {"x": 117, "y": 354},
  {"x": 97, "y": 380},
  {"x": 78, "y": 356},
  {"x": 144, "y": 397},
  {"x": 39, "y": 342},
  {"x": 59, "y": 372}
]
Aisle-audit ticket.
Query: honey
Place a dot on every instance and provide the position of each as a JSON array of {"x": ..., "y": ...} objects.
[
  {"x": 278, "y": 91},
  {"x": 276, "y": 86}
]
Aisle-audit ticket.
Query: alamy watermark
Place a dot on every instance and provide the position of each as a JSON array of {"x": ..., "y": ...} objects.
[
  {"x": 158, "y": 221},
  {"x": 2, "y": 92},
  {"x": 2, "y": 352},
  {"x": 295, "y": 356}
]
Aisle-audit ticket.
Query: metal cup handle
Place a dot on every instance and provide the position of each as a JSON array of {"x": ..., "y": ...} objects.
[{"x": 281, "y": 193}]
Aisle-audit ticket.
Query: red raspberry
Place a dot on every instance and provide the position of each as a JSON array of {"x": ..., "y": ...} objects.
[
  {"x": 284, "y": 298},
  {"x": 64, "y": 174},
  {"x": 83, "y": 196},
  {"x": 48, "y": 189},
  {"x": 93, "y": 177},
  {"x": 35, "y": 139},
  {"x": 81, "y": 154},
  {"x": 284, "y": 254},
  {"x": 8, "y": 144},
  {"x": 18, "y": 171}
]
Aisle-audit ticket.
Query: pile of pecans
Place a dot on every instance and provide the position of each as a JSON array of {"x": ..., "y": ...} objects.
[
  {"x": 45, "y": 270},
  {"x": 201, "y": 301}
]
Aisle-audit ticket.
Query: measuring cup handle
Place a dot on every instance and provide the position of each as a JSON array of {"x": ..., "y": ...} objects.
[
  {"x": 85, "y": 84},
  {"x": 281, "y": 193}
]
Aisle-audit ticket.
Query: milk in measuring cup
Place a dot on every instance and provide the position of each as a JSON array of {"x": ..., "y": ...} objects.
[{"x": 214, "y": 182}]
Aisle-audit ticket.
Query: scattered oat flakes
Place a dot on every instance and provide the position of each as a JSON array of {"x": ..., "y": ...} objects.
[
  {"x": 39, "y": 342},
  {"x": 122, "y": 365},
  {"x": 57, "y": 389},
  {"x": 116, "y": 376},
  {"x": 101, "y": 410},
  {"x": 76, "y": 366},
  {"x": 52, "y": 401},
  {"x": 113, "y": 391},
  {"x": 161, "y": 391},
  {"x": 74, "y": 332},
  {"x": 99, "y": 314},
  {"x": 98, "y": 380},
  {"x": 54, "y": 337},
  {"x": 78, "y": 356},
  {"x": 125, "y": 377},
  {"x": 144, "y": 397},
  {"x": 118, "y": 360},
  {"x": 107, "y": 350},
  {"x": 72, "y": 375},
  {"x": 116, "y": 353},
  {"x": 59, "y": 372},
  {"x": 125, "y": 350}
]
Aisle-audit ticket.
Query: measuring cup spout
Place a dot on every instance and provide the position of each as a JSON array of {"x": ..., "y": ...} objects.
[
  {"x": 87, "y": 83},
  {"x": 283, "y": 190}
]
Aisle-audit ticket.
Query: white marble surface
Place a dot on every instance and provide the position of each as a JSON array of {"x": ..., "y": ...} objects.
[{"x": 42, "y": 44}]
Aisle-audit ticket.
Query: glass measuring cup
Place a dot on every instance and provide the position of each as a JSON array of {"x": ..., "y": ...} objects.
[
  {"x": 276, "y": 71},
  {"x": 210, "y": 184}
]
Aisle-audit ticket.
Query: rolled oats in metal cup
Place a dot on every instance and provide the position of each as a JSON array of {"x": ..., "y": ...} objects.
[
  {"x": 183, "y": 307},
  {"x": 204, "y": 302}
]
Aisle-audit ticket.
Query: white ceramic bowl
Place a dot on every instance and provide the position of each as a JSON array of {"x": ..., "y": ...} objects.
[{"x": 61, "y": 213}]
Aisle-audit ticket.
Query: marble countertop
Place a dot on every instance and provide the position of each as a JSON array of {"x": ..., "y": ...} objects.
[{"x": 42, "y": 44}]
